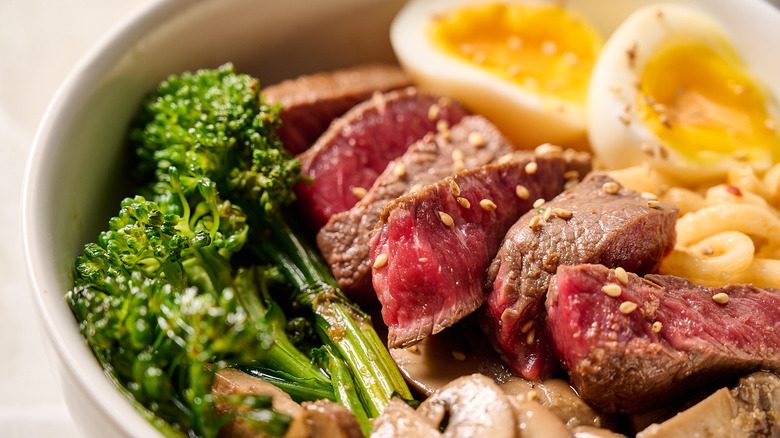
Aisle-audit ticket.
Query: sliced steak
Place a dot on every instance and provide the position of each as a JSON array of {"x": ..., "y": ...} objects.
[
  {"x": 586, "y": 224},
  {"x": 431, "y": 248},
  {"x": 626, "y": 359},
  {"x": 311, "y": 102},
  {"x": 358, "y": 146},
  {"x": 344, "y": 240}
]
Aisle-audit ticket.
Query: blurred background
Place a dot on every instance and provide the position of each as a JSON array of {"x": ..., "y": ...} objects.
[{"x": 40, "y": 42}]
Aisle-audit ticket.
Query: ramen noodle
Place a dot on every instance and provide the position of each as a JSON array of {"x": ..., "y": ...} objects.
[{"x": 728, "y": 231}]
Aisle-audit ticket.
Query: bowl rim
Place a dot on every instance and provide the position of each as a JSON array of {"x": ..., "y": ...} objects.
[{"x": 95, "y": 63}]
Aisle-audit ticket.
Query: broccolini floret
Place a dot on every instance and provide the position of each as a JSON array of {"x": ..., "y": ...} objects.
[
  {"x": 159, "y": 303},
  {"x": 216, "y": 123}
]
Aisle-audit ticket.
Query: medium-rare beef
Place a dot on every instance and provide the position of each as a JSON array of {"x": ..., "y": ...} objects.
[
  {"x": 359, "y": 145},
  {"x": 430, "y": 249},
  {"x": 344, "y": 240},
  {"x": 311, "y": 102},
  {"x": 593, "y": 222},
  {"x": 632, "y": 343}
]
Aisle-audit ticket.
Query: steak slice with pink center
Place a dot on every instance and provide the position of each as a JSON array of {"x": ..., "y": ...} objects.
[
  {"x": 344, "y": 240},
  {"x": 673, "y": 338},
  {"x": 431, "y": 248},
  {"x": 346, "y": 160}
]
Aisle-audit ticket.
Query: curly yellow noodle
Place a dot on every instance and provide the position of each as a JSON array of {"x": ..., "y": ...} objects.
[
  {"x": 723, "y": 193},
  {"x": 745, "y": 178},
  {"x": 772, "y": 183},
  {"x": 762, "y": 273},
  {"x": 750, "y": 219},
  {"x": 685, "y": 199},
  {"x": 716, "y": 260}
]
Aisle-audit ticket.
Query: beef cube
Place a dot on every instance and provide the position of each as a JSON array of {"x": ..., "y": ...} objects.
[
  {"x": 431, "y": 248},
  {"x": 594, "y": 222},
  {"x": 658, "y": 336}
]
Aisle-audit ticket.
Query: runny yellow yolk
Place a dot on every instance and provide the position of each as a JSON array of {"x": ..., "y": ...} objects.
[
  {"x": 543, "y": 48},
  {"x": 699, "y": 100}
]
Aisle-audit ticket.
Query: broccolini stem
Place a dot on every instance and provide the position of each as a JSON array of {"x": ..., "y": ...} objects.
[
  {"x": 344, "y": 385},
  {"x": 337, "y": 322}
]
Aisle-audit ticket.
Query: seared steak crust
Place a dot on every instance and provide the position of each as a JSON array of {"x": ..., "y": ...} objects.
[
  {"x": 586, "y": 224},
  {"x": 678, "y": 336},
  {"x": 344, "y": 240},
  {"x": 431, "y": 248},
  {"x": 358, "y": 146},
  {"x": 311, "y": 102}
]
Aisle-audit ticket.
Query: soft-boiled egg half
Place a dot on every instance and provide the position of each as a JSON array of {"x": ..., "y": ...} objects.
[
  {"x": 670, "y": 89},
  {"x": 525, "y": 65}
]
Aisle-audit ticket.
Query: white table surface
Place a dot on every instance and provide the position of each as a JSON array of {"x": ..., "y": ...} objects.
[{"x": 40, "y": 41}]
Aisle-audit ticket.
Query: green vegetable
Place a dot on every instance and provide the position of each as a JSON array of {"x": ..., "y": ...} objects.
[
  {"x": 215, "y": 124},
  {"x": 159, "y": 303}
]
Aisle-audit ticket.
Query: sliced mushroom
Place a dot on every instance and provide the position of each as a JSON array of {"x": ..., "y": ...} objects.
[
  {"x": 595, "y": 432},
  {"x": 399, "y": 420},
  {"x": 535, "y": 421},
  {"x": 324, "y": 419},
  {"x": 751, "y": 409},
  {"x": 471, "y": 406},
  {"x": 557, "y": 396}
]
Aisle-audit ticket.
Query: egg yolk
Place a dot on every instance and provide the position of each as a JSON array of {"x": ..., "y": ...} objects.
[
  {"x": 699, "y": 99},
  {"x": 545, "y": 49}
]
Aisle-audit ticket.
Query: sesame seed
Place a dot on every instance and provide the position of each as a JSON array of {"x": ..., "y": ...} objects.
[
  {"x": 531, "y": 395},
  {"x": 547, "y": 149},
  {"x": 613, "y": 290},
  {"x": 459, "y": 166},
  {"x": 563, "y": 213},
  {"x": 415, "y": 188},
  {"x": 505, "y": 159},
  {"x": 648, "y": 195},
  {"x": 399, "y": 170},
  {"x": 476, "y": 139},
  {"x": 653, "y": 203},
  {"x": 610, "y": 188},
  {"x": 621, "y": 275},
  {"x": 423, "y": 260},
  {"x": 487, "y": 205},
  {"x": 539, "y": 202},
  {"x": 657, "y": 326},
  {"x": 458, "y": 355},
  {"x": 433, "y": 112},
  {"x": 531, "y": 168},
  {"x": 522, "y": 192},
  {"x": 455, "y": 188},
  {"x": 707, "y": 250},
  {"x": 570, "y": 183},
  {"x": 529, "y": 338},
  {"x": 446, "y": 219},
  {"x": 380, "y": 261},
  {"x": 720, "y": 298},
  {"x": 627, "y": 307},
  {"x": 445, "y": 102},
  {"x": 457, "y": 155},
  {"x": 359, "y": 192},
  {"x": 571, "y": 174},
  {"x": 547, "y": 214},
  {"x": 442, "y": 126},
  {"x": 463, "y": 202},
  {"x": 534, "y": 222},
  {"x": 527, "y": 326},
  {"x": 413, "y": 349}
]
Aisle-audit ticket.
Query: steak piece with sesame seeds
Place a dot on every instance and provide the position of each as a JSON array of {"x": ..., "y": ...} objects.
[
  {"x": 596, "y": 221},
  {"x": 676, "y": 339},
  {"x": 358, "y": 146},
  {"x": 311, "y": 102},
  {"x": 344, "y": 240},
  {"x": 430, "y": 249}
]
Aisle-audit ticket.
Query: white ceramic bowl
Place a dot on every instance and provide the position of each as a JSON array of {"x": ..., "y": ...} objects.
[{"x": 74, "y": 179}]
